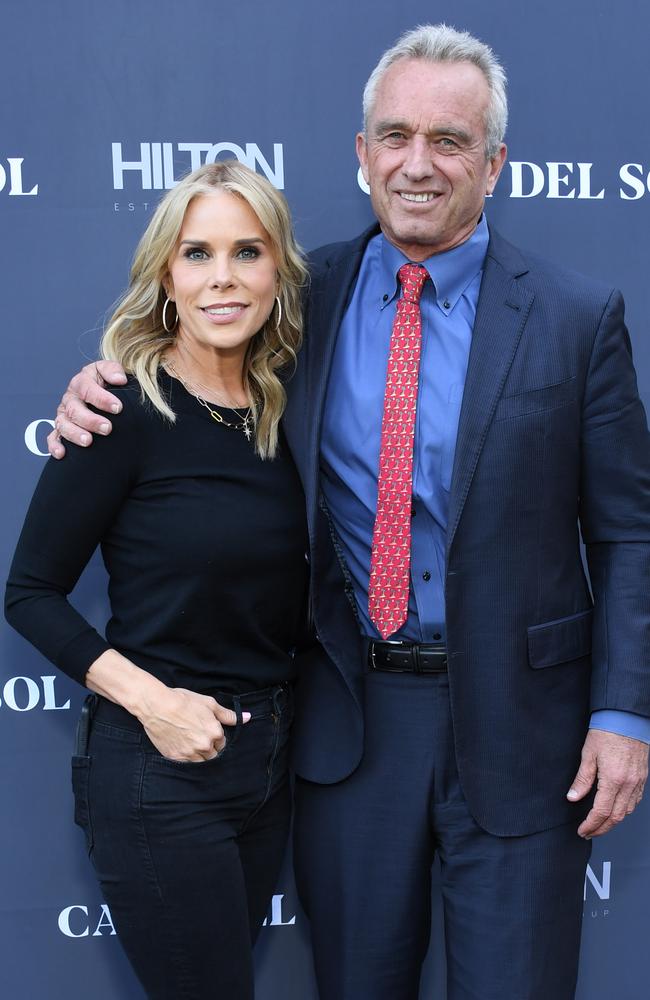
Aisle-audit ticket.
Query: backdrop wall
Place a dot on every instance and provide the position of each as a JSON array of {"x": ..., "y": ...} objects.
[{"x": 103, "y": 105}]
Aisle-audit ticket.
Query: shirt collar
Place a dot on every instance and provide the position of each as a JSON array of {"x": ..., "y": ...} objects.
[{"x": 451, "y": 272}]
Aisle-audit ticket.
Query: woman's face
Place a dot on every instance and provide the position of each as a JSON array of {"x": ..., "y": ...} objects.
[{"x": 222, "y": 276}]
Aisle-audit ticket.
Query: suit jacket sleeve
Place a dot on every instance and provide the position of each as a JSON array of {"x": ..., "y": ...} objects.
[{"x": 615, "y": 518}]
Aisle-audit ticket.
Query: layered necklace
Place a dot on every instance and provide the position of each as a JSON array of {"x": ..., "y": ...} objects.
[{"x": 245, "y": 414}]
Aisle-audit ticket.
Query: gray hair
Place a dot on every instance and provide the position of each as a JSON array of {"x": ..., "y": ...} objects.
[{"x": 440, "y": 43}]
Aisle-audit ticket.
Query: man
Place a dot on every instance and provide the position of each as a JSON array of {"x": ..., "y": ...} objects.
[{"x": 449, "y": 707}]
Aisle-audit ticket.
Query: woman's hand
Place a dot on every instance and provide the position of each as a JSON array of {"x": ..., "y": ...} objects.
[{"x": 182, "y": 725}]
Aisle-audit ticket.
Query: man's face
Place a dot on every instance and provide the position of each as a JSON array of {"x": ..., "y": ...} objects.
[{"x": 424, "y": 154}]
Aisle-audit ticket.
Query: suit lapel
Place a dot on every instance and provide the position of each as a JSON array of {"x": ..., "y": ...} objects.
[{"x": 502, "y": 311}]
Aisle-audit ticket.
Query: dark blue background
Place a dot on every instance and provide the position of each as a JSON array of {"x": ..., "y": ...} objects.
[{"x": 79, "y": 75}]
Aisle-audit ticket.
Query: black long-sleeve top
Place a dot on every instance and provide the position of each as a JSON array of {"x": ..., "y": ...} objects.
[{"x": 203, "y": 541}]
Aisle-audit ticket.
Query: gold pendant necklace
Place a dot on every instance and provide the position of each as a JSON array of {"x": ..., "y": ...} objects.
[{"x": 245, "y": 422}]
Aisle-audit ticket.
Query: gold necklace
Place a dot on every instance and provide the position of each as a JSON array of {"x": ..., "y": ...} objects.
[{"x": 245, "y": 422}]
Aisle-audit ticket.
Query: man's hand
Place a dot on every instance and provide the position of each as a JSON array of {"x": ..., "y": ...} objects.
[
  {"x": 621, "y": 766},
  {"x": 74, "y": 420}
]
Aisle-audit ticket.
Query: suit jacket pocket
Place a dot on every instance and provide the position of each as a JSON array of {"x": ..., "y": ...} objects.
[
  {"x": 547, "y": 397},
  {"x": 561, "y": 640}
]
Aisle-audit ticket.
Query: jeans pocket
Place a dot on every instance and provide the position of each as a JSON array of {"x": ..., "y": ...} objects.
[
  {"x": 191, "y": 765},
  {"x": 80, "y": 788}
]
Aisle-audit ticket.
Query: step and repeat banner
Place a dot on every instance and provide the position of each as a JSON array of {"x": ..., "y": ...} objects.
[{"x": 103, "y": 107}]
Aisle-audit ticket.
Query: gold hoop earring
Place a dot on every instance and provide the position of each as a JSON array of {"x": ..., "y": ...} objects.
[
  {"x": 168, "y": 329},
  {"x": 279, "y": 319}
]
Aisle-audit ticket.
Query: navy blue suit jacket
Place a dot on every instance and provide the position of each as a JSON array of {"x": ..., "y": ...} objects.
[{"x": 552, "y": 441}]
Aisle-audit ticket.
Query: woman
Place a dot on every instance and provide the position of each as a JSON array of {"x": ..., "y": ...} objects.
[{"x": 180, "y": 774}]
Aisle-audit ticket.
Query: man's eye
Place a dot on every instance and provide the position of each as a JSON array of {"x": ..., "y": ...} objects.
[{"x": 447, "y": 142}]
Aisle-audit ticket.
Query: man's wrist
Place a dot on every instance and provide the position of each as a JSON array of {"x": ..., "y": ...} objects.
[{"x": 636, "y": 727}]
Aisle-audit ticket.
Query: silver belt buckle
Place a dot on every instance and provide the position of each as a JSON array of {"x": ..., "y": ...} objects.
[{"x": 387, "y": 642}]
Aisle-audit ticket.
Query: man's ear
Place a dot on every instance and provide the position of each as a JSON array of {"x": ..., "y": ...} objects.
[
  {"x": 496, "y": 165},
  {"x": 362, "y": 153}
]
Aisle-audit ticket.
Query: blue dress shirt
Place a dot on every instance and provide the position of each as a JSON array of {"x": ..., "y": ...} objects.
[{"x": 352, "y": 428}]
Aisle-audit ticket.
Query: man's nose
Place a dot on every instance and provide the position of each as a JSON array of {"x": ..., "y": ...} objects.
[{"x": 418, "y": 163}]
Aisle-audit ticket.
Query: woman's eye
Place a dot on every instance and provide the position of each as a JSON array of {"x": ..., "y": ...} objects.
[
  {"x": 248, "y": 253},
  {"x": 195, "y": 253}
]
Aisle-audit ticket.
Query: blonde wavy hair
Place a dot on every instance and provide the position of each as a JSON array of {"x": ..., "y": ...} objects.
[{"x": 135, "y": 335}]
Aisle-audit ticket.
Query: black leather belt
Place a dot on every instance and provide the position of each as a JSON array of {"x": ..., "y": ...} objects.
[{"x": 407, "y": 657}]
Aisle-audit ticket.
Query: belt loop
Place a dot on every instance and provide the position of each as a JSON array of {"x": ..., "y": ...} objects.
[
  {"x": 417, "y": 666},
  {"x": 280, "y": 695},
  {"x": 236, "y": 706}
]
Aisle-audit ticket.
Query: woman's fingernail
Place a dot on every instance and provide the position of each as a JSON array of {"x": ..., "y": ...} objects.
[
  {"x": 246, "y": 717},
  {"x": 85, "y": 439}
]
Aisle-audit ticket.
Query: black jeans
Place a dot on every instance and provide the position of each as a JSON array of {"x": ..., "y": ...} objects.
[{"x": 187, "y": 854}]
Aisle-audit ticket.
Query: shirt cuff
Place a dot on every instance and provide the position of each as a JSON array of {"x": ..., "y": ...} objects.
[{"x": 622, "y": 723}]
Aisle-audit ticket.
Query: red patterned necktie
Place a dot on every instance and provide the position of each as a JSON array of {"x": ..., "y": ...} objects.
[{"x": 388, "y": 590}]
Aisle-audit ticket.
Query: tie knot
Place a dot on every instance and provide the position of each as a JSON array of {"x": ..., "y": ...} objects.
[{"x": 412, "y": 278}]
